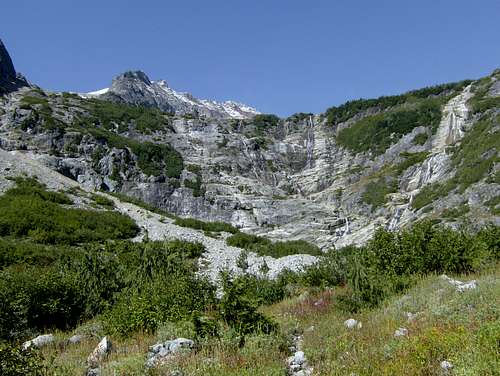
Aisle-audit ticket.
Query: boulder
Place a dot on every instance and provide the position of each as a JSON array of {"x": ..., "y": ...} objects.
[
  {"x": 352, "y": 323},
  {"x": 459, "y": 285},
  {"x": 39, "y": 341},
  {"x": 100, "y": 353},
  {"x": 401, "y": 332},
  {"x": 446, "y": 366},
  {"x": 161, "y": 351},
  {"x": 77, "y": 338}
]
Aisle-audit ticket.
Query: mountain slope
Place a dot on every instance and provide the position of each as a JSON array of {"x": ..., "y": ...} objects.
[{"x": 330, "y": 179}]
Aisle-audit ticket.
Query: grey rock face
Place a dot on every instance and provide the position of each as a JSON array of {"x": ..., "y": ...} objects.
[
  {"x": 136, "y": 88},
  {"x": 9, "y": 79}
]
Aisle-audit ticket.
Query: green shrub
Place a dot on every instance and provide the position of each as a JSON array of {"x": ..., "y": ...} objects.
[
  {"x": 114, "y": 278},
  {"x": 144, "y": 119},
  {"x": 103, "y": 201},
  {"x": 173, "y": 298},
  {"x": 265, "y": 247},
  {"x": 392, "y": 262},
  {"x": 239, "y": 310},
  {"x": 420, "y": 139},
  {"x": 411, "y": 159},
  {"x": 477, "y": 153},
  {"x": 347, "y": 110},
  {"x": 28, "y": 210},
  {"x": 262, "y": 121},
  {"x": 431, "y": 192},
  {"x": 376, "y": 191},
  {"x": 153, "y": 159},
  {"x": 206, "y": 226},
  {"x": 38, "y": 298},
  {"x": 376, "y": 133},
  {"x": 195, "y": 186},
  {"x": 17, "y": 362}
]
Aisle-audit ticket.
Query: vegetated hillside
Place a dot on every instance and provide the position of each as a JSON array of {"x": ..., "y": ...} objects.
[
  {"x": 140, "y": 293},
  {"x": 248, "y": 242}
]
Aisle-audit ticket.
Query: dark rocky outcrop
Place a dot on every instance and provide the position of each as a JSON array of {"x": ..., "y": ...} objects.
[{"x": 9, "y": 79}]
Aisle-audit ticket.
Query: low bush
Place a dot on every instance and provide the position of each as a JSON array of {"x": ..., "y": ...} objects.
[
  {"x": 376, "y": 133},
  {"x": 376, "y": 191},
  {"x": 347, "y": 110},
  {"x": 206, "y": 226},
  {"x": 266, "y": 247},
  {"x": 29, "y": 210},
  {"x": 103, "y": 201},
  {"x": 239, "y": 310},
  {"x": 17, "y": 362},
  {"x": 391, "y": 262}
]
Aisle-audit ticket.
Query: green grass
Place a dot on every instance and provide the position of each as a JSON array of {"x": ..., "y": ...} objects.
[{"x": 459, "y": 327}]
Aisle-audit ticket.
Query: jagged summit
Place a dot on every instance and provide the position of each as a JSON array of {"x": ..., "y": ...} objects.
[
  {"x": 135, "y": 87},
  {"x": 9, "y": 79}
]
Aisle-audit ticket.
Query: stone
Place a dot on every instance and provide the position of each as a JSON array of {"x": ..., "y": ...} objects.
[
  {"x": 101, "y": 351},
  {"x": 39, "y": 341},
  {"x": 299, "y": 358},
  {"x": 459, "y": 285},
  {"x": 411, "y": 316},
  {"x": 77, "y": 338},
  {"x": 161, "y": 351},
  {"x": 352, "y": 324},
  {"x": 401, "y": 332},
  {"x": 446, "y": 365}
]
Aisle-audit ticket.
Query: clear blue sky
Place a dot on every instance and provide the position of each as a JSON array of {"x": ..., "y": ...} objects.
[{"x": 281, "y": 56}]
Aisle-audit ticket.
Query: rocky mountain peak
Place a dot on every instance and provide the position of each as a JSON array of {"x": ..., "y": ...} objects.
[
  {"x": 132, "y": 75},
  {"x": 135, "y": 87},
  {"x": 9, "y": 79}
]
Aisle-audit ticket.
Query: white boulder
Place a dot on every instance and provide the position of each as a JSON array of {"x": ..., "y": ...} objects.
[
  {"x": 352, "y": 323},
  {"x": 39, "y": 341}
]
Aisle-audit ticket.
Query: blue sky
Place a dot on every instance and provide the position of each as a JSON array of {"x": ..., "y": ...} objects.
[{"x": 281, "y": 56}]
